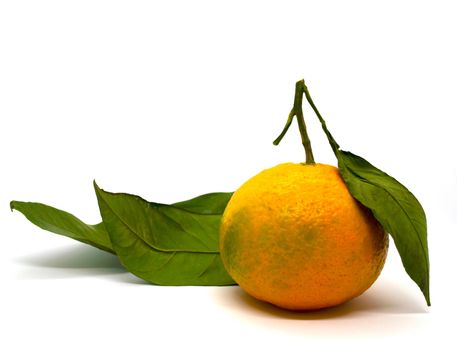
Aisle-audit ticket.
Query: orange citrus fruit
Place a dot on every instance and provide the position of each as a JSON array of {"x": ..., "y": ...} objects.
[{"x": 294, "y": 236}]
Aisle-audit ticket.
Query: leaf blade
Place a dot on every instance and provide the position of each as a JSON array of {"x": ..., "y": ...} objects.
[
  {"x": 398, "y": 211},
  {"x": 210, "y": 203},
  {"x": 63, "y": 223},
  {"x": 140, "y": 244}
]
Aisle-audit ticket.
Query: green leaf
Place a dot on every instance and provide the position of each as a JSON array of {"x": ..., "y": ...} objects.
[
  {"x": 184, "y": 236},
  {"x": 211, "y": 203},
  {"x": 396, "y": 208},
  {"x": 65, "y": 224},
  {"x": 166, "y": 244},
  {"x": 393, "y": 205}
]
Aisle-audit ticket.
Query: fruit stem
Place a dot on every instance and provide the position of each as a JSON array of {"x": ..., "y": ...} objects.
[
  {"x": 297, "y": 111},
  {"x": 299, "y": 90}
]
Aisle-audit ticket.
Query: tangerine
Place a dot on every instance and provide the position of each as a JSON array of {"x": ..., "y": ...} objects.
[{"x": 294, "y": 236}]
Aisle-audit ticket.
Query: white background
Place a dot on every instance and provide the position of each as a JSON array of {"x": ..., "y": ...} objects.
[{"x": 173, "y": 99}]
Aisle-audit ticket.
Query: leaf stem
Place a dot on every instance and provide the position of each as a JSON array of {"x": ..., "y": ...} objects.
[
  {"x": 297, "y": 111},
  {"x": 333, "y": 143},
  {"x": 286, "y": 127}
]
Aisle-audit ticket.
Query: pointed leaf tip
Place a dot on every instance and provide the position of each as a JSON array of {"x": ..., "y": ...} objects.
[{"x": 94, "y": 183}]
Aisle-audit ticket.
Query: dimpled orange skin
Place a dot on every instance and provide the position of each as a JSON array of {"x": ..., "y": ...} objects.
[{"x": 294, "y": 236}]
